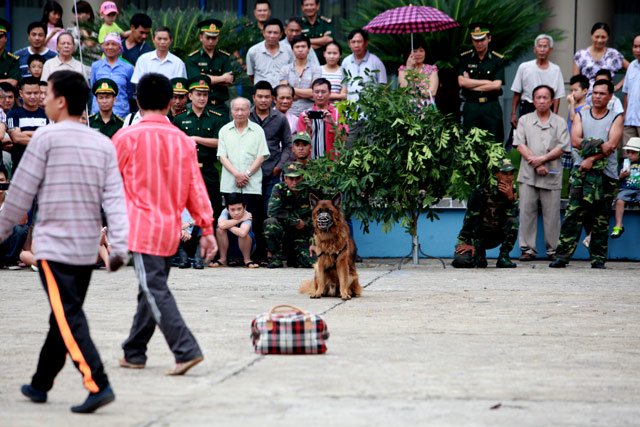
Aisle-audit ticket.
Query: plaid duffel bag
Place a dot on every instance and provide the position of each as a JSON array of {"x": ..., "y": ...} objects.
[{"x": 286, "y": 329}]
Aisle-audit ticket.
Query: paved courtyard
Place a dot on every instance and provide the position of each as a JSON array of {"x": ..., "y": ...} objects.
[{"x": 423, "y": 346}]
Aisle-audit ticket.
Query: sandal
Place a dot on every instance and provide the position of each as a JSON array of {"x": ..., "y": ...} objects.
[
  {"x": 252, "y": 264},
  {"x": 217, "y": 264}
]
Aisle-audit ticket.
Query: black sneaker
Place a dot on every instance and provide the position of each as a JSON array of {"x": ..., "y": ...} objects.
[
  {"x": 198, "y": 265},
  {"x": 275, "y": 263},
  {"x": 558, "y": 263},
  {"x": 599, "y": 265},
  {"x": 36, "y": 396},
  {"x": 95, "y": 401},
  {"x": 505, "y": 262}
]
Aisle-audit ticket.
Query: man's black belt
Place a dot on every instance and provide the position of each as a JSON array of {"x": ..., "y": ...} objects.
[{"x": 482, "y": 99}]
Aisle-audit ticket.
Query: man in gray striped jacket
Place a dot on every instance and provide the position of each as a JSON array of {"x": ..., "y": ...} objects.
[{"x": 73, "y": 172}]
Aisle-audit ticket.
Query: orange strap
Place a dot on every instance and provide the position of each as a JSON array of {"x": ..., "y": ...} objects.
[{"x": 65, "y": 330}]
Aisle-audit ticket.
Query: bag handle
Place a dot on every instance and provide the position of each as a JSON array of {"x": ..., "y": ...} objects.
[
  {"x": 281, "y": 306},
  {"x": 307, "y": 315}
]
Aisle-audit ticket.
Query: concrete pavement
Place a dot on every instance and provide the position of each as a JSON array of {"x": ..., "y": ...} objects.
[{"x": 424, "y": 345}]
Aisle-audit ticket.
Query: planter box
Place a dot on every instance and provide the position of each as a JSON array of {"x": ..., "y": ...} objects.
[{"x": 438, "y": 238}]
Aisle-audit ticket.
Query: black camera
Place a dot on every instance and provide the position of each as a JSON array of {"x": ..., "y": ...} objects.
[
  {"x": 4, "y": 185},
  {"x": 313, "y": 114}
]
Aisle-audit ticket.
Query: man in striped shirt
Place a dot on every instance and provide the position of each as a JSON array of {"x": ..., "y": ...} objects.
[
  {"x": 73, "y": 171},
  {"x": 159, "y": 167}
]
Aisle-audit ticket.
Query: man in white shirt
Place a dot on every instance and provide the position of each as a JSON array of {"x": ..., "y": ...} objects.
[
  {"x": 531, "y": 74},
  {"x": 160, "y": 60},
  {"x": 266, "y": 59},
  {"x": 362, "y": 63}
]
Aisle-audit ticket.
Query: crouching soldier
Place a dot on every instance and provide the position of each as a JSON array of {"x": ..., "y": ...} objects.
[
  {"x": 288, "y": 228},
  {"x": 491, "y": 220}
]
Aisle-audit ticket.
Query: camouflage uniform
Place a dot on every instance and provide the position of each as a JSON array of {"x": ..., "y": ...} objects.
[
  {"x": 491, "y": 220},
  {"x": 590, "y": 199},
  {"x": 286, "y": 208}
]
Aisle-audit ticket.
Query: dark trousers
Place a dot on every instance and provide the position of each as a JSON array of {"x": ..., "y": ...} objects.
[
  {"x": 156, "y": 306},
  {"x": 487, "y": 116},
  {"x": 211, "y": 180},
  {"x": 66, "y": 286},
  {"x": 268, "y": 182}
]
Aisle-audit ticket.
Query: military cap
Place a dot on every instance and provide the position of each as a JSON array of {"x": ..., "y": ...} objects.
[
  {"x": 199, "y": 83},
  {"x": 506, "y": 166},
  {"x": 5, "y": 27},
  {"x": 210, "y": 27},
  {"x": 302, "y": 136},
  {"x": 479, "y": 30},
  {"x": 105, "y": 86},
  {"x": 293, "y": 169},
  {"x": 180, "y": 85}
]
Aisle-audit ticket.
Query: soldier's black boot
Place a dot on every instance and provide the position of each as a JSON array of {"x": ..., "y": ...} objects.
[
  {"x": 558, "y": 263},
  {"x": 481, "y": 258},
  {"x": 505, "y": 262}
]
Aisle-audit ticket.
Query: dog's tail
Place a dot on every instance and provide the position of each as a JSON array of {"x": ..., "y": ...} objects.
[{"x": 307, "y": 287}]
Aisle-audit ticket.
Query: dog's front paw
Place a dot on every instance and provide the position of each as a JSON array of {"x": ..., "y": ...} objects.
[
  {"x": 345, "y": 297},
  {"x": 315, "y": 296}
]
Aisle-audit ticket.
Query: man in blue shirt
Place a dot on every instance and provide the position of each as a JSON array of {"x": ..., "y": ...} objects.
[
  {"x": 23, "y": 121},
  {"x": 136, "y": 43},
  {"x": 37, "y": 33}
]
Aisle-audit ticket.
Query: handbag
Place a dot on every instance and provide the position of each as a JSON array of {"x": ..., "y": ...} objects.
[{"x": 286, "y": 329}]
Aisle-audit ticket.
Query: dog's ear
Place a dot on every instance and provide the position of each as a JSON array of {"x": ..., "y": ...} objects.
[
  {"x": 313, "y": 200},
  {"x": 337, "y": 200}
]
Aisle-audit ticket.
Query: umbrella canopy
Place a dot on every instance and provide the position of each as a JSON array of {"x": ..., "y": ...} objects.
[{"x": 411, "y": 19}]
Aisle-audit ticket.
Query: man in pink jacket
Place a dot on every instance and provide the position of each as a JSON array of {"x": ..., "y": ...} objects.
[{"x": 161, "y": 177}]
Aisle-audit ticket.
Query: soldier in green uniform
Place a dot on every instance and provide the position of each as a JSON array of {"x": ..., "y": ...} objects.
[
  {"x": 595, "y": 136},
  {"x": 178, "y": 104},
  {"x": 105, "y": 121},
  {"x": 288, "y": 228},
  {"x": 213, "y": 63},
  {"x": 202, "y": 124},
  {"x": 317, "y": 28},
  {"x": 491, "y": 220},
  {"x": 481, "y": 76},
  {"x": 9, "y": 64}
]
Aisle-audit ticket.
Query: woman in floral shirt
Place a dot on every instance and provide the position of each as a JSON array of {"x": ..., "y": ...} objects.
[
  {"x": 422, "y": 78},
  {"x": 598, "y": 56}
]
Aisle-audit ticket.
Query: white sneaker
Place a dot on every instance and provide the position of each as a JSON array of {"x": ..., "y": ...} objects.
[{"x": 34, "y": 268}]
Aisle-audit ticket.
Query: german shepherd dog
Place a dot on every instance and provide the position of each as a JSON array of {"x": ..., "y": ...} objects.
[{"x": 335, "y": 271}]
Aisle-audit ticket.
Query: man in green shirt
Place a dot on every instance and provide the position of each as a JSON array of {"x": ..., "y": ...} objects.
[
  {"x": 288, "y": 228},
  {"x": 9, "y": 64},
  {"x": 178, "y": 104},
  {"x": 213, "y": 63},
  {"x": 317, "y": 28},
  {"x": 202, "y": 124},
  {"x": 481, "y": 76},
  {"x": 105, "y": 121}
]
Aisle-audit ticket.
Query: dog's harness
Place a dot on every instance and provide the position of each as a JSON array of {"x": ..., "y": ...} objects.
[{"x": 334, "y": 256}]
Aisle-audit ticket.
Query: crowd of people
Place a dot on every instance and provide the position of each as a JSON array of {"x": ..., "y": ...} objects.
[
  {"x": 586, "y": 146},
  {"x": 298, "y": 73},
  {"x": 140, "y": 144}
]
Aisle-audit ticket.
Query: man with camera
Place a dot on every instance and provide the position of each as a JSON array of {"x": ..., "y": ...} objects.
[{"x": 321, "y": 120}]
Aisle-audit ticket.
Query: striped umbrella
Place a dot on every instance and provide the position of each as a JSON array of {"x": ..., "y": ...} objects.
[{"x": 411, "y": 19}]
